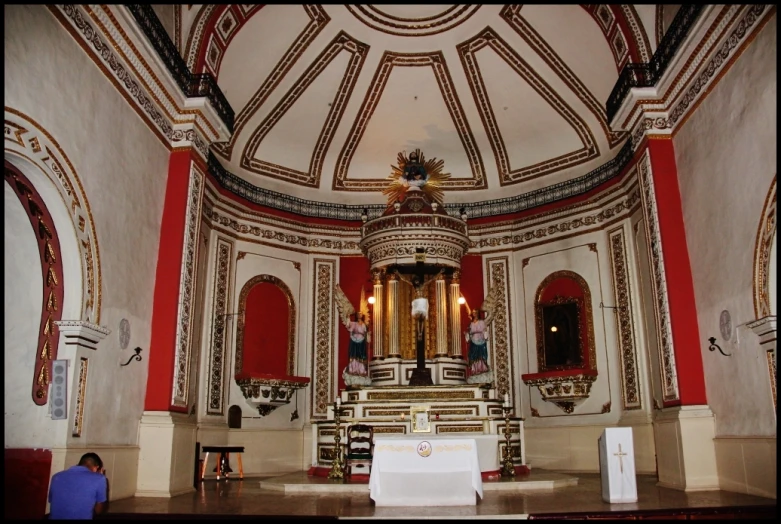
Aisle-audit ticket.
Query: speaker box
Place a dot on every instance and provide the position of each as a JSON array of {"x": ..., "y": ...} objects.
[{"x": 58, "y": 395}]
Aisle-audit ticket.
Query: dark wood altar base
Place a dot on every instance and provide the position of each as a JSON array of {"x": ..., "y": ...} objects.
[{"x": 245, "y": 499}]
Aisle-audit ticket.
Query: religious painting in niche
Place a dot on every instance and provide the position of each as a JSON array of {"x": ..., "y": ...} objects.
[
  {"x": 564, "y": 327},
  {"x": 561, "y": 326}
]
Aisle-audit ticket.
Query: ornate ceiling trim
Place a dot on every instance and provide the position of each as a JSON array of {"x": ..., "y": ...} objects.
[
  {"x": 318, "y": 20},
  {"x": 358, "y": 52},
  {"x": 512, "y": 15},
  {"x": 435, "y": 60},
  {"x": 197, "y": 31},
  {"x": 621, "y": 25},
  {"x": 375, "y": 18},
  {"x": 489, "y": 38}
]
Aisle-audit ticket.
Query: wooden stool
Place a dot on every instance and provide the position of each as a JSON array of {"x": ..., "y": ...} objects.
[{"x": 220, "y": 451}]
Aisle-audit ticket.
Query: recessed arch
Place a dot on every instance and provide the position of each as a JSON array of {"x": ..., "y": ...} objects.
[{"x": 290, "y": 339}]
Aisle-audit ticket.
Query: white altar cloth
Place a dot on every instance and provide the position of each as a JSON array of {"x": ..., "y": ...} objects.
[
  {"x": 425, "y": 471},
  {"x": 487, "y": 447}
]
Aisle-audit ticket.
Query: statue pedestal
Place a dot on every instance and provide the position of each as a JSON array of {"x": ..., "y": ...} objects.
[{"x": 421, "y": 377}]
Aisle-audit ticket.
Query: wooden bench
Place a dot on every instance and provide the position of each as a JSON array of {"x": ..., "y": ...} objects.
[{"x": 222, "y": 451}]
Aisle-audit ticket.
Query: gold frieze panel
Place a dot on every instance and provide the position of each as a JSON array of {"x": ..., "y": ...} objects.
[{"x": 419, "y": 395}]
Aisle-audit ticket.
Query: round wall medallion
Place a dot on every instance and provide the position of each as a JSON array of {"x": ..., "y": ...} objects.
[
  {"x": 725, "y": 324},
  {"x": 124, "y": 333}
]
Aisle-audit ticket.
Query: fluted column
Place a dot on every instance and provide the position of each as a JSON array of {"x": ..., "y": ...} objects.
[
  {"x": 377, "y": 314},
  {"x": 441, "y": 317},
  {"x": 394, "y": 349},
  {"x": 455, "y": 316}
]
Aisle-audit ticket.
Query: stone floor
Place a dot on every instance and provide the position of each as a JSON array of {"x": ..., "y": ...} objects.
[{"x": 575, "y": 496}]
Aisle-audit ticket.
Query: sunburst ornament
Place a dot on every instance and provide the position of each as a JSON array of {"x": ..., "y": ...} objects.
[{"x": 415, "y": 171}]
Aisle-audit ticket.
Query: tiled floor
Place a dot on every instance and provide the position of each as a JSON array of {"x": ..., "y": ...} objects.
[{"x": 244, "y": 498}]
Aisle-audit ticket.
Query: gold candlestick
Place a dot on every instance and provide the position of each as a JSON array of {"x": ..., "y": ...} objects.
[
  {"x": 508, "y": 469},
  {"x": 337, "y": 466}
]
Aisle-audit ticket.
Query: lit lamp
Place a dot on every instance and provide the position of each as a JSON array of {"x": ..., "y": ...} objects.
[
  {"x": 461, "y": 301},
  {"x": 371, "y": 301}
]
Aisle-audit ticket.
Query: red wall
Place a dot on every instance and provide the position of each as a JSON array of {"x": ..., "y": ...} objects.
[
  {"x": 471, "y": 289},
  {"x": 266, "y": 333},
  {"x": 26, "y": 482},
  {"x": 354, "y": 273}
]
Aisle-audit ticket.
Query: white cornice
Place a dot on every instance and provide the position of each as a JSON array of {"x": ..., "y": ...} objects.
[
  {"x": 716, "y": 37},
  {"x": 113, "y": 40}
]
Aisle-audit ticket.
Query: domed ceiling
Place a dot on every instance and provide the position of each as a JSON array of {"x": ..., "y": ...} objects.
[{"x": 511, "y": 98}]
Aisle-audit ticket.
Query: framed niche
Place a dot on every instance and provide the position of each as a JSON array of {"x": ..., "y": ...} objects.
[
  {"x": 421, "y": 419},
  {"x": 564, "y": 328}
]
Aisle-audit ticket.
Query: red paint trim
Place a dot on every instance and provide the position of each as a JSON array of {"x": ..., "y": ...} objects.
[
  {"x": 680, "y": 285},
  {"x": 45, "y": 232},
  {"x": 211, "y": 26},
  {"x": 162, "y": 350}
]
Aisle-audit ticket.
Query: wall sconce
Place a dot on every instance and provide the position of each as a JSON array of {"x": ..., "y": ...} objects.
[
  {"x": 713, "y": 347},
  {"x": 137, "y": 356}
]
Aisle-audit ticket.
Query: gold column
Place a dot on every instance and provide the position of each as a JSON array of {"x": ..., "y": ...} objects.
[
  {"x": 393, "y": 317},
  {"x": 441, "y": 350},
  {"x": 377, "y": 314},
  {"x": 455, "y": 316}
]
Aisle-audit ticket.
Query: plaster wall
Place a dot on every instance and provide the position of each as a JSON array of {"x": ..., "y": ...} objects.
[
  {"x": 290, "y": 267},
  {"x": 726, "y": 158},
  {"x": 588, "y": 255},
  {"x": 52, "y": 81}
]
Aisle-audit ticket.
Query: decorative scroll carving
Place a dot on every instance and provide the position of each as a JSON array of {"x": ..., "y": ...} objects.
[
  {"x": 216, "y": 373},
  {"x": 630, "y": 394},
  {"x": 323, "y": 358},
  {"x": 766, "y": 234},
  {"x": 659, "y": 282},
  {"x": 183, "y": 352},
  {"x": 501, "y": 334}
]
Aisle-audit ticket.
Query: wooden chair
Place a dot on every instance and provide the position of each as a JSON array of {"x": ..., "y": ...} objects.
[{"x": 360, "y": 449}]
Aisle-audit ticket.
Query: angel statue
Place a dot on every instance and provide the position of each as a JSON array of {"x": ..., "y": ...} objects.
[
  {"x": 357, "y": 372},
  {"x": 477, "y": 357},
  {"x": 420, "y": 302}
]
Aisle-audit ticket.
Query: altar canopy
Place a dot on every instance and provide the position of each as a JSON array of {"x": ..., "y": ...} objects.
[
  {"x": 425, "y": 472},
  {"x": 617, "y": 465}
]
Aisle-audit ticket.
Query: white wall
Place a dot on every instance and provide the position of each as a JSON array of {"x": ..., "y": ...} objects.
[
  {"x": 726, "y": 157},
  {"x": 122, "y": 166}
]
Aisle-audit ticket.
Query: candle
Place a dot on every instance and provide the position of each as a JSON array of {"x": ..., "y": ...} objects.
[
  {"x": 338, "y": 401},
  {"x": 506, "y": 400}
]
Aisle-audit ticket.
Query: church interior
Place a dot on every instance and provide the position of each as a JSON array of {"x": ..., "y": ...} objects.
[{"x": 237, "y": 234}]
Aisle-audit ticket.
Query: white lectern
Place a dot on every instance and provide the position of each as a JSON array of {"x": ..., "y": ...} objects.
[{"x": 617, "y": 465}]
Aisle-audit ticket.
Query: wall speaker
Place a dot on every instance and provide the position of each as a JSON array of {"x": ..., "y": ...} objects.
[{"x": 58, "y": 395}]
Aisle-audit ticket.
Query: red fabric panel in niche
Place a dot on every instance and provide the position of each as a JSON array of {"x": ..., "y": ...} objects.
[
  {"x": 266, "y": 330},
  {"x": 471, "y": 287},
  {"x": 570, "y": 289},
  {"x": 354, "y": 273}
]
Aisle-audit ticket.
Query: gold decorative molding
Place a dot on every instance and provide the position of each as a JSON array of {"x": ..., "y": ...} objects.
[
  {"x": 566, "y": 390},
  {"x": 630, "y": 392},
  {"x": 766, "y": 235},
  {"x": 324, "y": 352}
]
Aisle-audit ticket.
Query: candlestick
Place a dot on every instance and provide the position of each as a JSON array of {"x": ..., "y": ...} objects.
[
  {"x": 337, "y": 467},
  {"x": 507, "y": 400},
  {"x": 508, "y": 468},
  {"x": 338, "y": 401}
]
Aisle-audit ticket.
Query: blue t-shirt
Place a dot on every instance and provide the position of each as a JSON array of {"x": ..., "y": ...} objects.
[{"x": 74, "y": 492}]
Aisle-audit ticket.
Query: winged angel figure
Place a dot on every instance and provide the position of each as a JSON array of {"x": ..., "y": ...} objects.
[
  {"x": 415, "y": 173},
  {"x": 357, "y": 372},
  {"x": 477, "y": 357}
]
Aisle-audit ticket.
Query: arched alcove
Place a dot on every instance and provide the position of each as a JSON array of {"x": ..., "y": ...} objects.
[{"x": 266, "y": 328}]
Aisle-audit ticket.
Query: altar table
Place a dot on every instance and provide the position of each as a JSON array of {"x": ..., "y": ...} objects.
[
  {"x": 425, "y": 471},
  {"x": 487, "y": 447}
]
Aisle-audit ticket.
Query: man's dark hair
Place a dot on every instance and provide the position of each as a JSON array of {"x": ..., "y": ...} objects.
[{"x": 90, "y": 459}]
